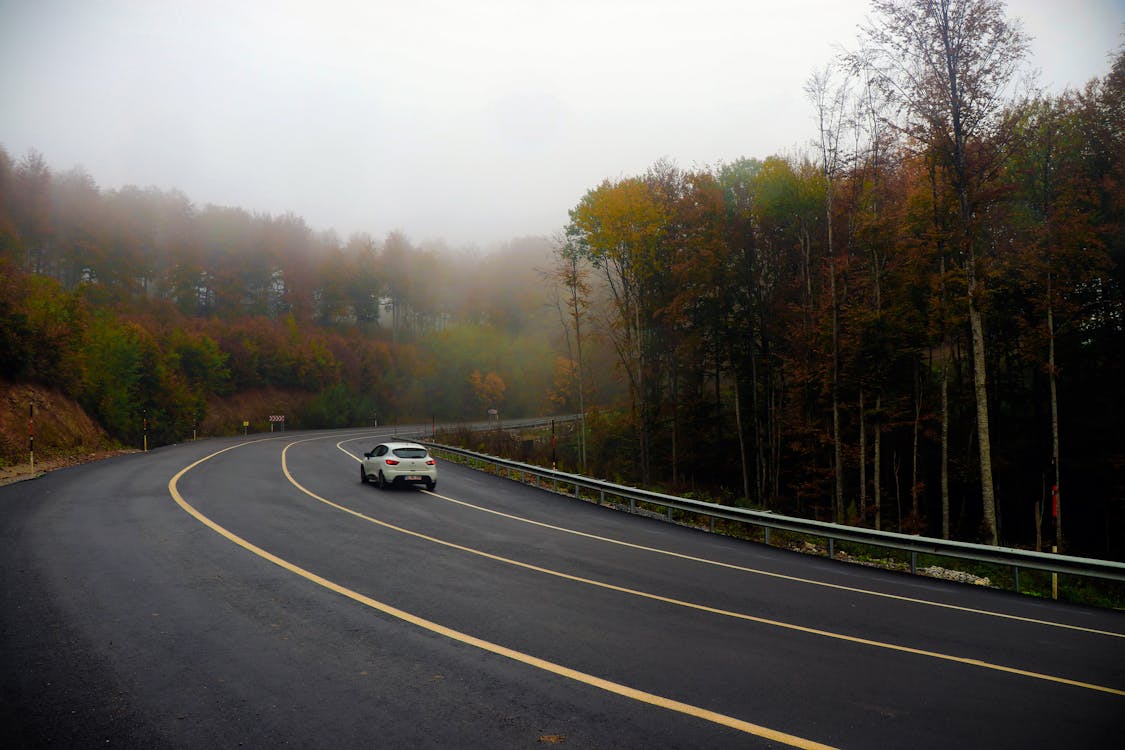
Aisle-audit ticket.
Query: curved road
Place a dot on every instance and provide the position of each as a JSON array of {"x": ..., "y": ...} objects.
[{"x": 252, "y": 593}]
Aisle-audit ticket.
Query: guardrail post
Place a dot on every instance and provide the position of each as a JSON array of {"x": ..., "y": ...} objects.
[
  {"x": 1016, "y": 577},
  {"x": 767, "y": 535},
  {"x": 632, "y": 505},
  {"x": 601, "y": 497},
  {"x": 1054, "y": 577},
  {"x": 913, "y": 562},
  {"x": 831, "y": 548},
  {"x": 669, "y": 512},
  {"x": 712, "y": 524}
]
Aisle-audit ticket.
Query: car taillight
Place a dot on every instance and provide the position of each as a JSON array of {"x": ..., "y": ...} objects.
[
  {"x": 392, "y": 462},
  {"x": 430, "y": 462}
]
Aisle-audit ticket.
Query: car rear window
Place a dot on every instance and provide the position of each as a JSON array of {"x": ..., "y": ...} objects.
[{"x": 410, "y": 452}]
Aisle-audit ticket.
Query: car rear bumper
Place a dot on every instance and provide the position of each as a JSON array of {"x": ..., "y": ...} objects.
[{"x": 411, "y": 479}]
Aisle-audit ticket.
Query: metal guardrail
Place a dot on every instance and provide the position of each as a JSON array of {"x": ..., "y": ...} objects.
[{"x": 1006, "y": 556}]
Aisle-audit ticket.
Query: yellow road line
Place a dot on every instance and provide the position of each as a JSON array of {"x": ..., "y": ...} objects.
[
  {"x": 693, "y": 605},
  {"x": 771, "y": 574},
  {"x": 518, "y": 656}
]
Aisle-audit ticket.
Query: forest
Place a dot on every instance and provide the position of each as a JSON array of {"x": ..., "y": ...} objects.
[
  {"x": 143, "y": 306},
  {"x": 917, "y": 324}
]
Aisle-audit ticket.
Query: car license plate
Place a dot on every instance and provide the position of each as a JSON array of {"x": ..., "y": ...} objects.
[{"x": 414, "y": 479}]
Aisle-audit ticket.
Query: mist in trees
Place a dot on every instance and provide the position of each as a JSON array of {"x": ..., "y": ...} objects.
[
  {"x": 917, "y": 324},
  {"x": 873, "y": 333},
  {"x": 144, "y": 306}
]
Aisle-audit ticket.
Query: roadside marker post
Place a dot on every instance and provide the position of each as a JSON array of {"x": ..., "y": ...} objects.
[{"x": 31, "y": 434}]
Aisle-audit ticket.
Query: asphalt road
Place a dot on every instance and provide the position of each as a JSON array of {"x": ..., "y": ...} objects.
[{"x": 265, "y": 598}]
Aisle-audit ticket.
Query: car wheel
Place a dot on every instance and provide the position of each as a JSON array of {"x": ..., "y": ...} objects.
[
  {"x": 381, "y": 482},
  {"x": 363, "y": 475},
  {"x": 430, "y": 485}
]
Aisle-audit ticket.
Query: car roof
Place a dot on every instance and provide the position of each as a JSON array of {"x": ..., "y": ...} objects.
[{"x": 401, "y": 444}]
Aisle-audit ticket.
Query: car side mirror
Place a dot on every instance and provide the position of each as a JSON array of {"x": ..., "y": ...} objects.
[{"x": 367, "y": 454}]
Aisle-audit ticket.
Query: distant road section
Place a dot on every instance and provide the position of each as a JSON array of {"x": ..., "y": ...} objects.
[{"x": 252, "y": 592}]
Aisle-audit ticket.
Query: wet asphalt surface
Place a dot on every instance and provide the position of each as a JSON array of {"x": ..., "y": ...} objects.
[{"x": 126, "y": 622}]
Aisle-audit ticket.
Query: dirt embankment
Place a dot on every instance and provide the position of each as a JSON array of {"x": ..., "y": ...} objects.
[
  {"x": 65, "y": 435},
  {"x": 226, "y": 415}
]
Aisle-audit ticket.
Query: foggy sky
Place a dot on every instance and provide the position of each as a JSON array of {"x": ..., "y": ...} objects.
[{"x": 473, "y": 121}]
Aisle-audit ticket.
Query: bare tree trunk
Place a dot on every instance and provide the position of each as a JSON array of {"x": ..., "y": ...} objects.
[
  {"x": 830, "y": 103},
  {"x": 896, "y": 465},
  {"x": 980, "y": 389},
  {"x": 1057, "y": 489},
  {"x": 945, "y": 354},
  {"x": 675, "y": 401},
  {"x": 915, "y": 518},
  {"x": 944, "y": 444},
  {"x": 581, "y": 384},
  {"x": 759, "y": 437},
  {"x": 567, "y": 273},
  {"x": 1038, "y": 511},
  {"x": 878, "y": 462},
  {"x": 838, "y": 443},
  {"x": 643, "y": 424},
  {"x": 741, "y": 440},
  {"x": 862, "y": 459},
  {"x": 776, "y": 402}
]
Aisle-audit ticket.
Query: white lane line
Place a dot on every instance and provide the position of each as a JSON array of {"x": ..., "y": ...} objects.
[
  {"x": 758, "y": 571},
  {"x": 518, "y": 656},
  {"x": 692, "y": 605}
]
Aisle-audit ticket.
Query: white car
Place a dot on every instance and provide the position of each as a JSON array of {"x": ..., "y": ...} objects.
[{"x": 394, "y": 464}]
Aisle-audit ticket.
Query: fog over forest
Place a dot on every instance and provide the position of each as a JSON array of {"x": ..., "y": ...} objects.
[
  {"x": 475, "y": 123},
  {"x": 906, "y": 312}
]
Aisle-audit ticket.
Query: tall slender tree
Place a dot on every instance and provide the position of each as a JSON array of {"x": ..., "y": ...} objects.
[
  {"x": 617, "y": 227},
  {"x": 946, "y": 66},
  {"x": 830, "y": 100}
]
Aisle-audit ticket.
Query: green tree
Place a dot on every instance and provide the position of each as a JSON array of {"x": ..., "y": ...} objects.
[{"x": 113, "y": 387}]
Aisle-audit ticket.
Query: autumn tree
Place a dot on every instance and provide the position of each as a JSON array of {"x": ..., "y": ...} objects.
[
  {"x": 945, "y": 66},
  {"x": 694, "y": 260},
  {"x": 616, "y": 227},
  {"x": 488, "y": 388},
  {"x": 570, "y": 285}
]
